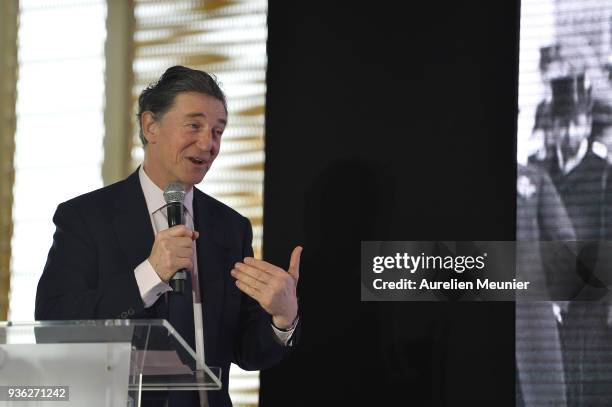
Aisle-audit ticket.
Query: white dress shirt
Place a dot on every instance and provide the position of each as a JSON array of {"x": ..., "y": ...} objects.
[{"x": 572, "y": 162}]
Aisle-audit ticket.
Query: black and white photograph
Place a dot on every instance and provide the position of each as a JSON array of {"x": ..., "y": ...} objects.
[{"x": 564, "y": 194}]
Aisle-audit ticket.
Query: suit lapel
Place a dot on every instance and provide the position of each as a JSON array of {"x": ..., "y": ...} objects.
[
  {"x": 213, "y": 268},
  {"x": 132, "y": 223}
]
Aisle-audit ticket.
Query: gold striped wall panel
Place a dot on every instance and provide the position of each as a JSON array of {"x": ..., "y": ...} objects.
[
  {"x": 9, "y": 10},
  {"x": 228, "y": 39}
]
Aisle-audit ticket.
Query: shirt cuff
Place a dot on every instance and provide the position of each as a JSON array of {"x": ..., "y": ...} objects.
[
  {"x": 150, "y": 285},
  {"x": 284, "y": 335}
]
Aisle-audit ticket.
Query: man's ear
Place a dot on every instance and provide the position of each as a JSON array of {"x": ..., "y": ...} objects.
[{"x": 149, "y": 127}]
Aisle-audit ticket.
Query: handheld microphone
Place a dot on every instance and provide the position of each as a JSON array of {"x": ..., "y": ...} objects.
[{"x": 174, "y": 195}]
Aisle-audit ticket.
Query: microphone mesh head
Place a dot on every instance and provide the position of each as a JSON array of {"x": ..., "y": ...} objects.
[{"x": 174, "y": 192}]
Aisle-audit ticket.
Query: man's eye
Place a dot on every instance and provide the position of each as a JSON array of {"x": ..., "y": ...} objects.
[{"x": 194, "y": 126}]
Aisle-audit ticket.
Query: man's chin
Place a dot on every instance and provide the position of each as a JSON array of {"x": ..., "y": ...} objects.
[{"x": 192, "y": 180}]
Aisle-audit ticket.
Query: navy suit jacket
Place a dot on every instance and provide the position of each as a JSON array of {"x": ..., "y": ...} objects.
[{"x": 103, "y": 235}]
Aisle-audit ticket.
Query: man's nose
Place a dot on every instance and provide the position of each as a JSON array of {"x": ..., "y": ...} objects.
[{"x": 205, "y": 139}]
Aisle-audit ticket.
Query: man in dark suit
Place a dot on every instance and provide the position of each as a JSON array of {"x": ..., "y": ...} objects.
[
  {"x": 581, "y": 174},
  {"x": 541, "y": 220},
  {"x": 113, "y": 255}
]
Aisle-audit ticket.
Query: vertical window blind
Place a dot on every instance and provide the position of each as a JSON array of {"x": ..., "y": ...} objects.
[
  {"x": 9, "y": 10},
  {"x": 60, "y": 128}
]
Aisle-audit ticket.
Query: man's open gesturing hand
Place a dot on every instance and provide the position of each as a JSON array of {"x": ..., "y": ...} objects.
[
  {"x": 172, "y": 251},
  {"x": 271, "y": 286}
]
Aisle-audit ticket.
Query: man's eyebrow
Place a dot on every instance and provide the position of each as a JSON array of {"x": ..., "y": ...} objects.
[{"x": 199, "y": 114}]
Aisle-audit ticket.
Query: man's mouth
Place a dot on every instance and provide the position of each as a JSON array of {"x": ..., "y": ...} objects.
[{"x": 196, "y": 160}]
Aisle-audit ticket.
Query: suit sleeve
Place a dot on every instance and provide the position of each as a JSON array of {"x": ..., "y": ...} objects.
[
  {"x": 70, "y": 286},
  {"x": 256, "y": 345}
]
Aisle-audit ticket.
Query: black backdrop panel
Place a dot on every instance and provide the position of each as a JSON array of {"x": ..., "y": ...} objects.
[{"x": 389, "y": 123}]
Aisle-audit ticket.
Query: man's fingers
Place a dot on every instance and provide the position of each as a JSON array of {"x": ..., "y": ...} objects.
[
  {"x": 264, "y": 266},
  {"x": 182, "y": 242},
  {"x": 184, "y": 263},
  {"x": 294, "y": 263},
  {"x": 248, "y": 279},
  {"x": 259, "y": 264},
  {"x": 184, "y": 252},
  {"x": 179, "y": 231},
  {"x": 253, "y": 272},
  {"x": 248, "y": 290}
]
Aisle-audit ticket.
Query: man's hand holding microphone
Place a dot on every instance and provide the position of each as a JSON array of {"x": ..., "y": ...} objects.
[{"x": 172, "y": 251}]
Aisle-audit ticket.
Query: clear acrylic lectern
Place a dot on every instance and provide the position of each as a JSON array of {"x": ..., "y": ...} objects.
[{"x": 96, "y": 362}]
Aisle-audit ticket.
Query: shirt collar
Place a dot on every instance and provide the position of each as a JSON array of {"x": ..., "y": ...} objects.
[
  {"x": 572, "y": 162},
  {"x": 154, "y": 196}
]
